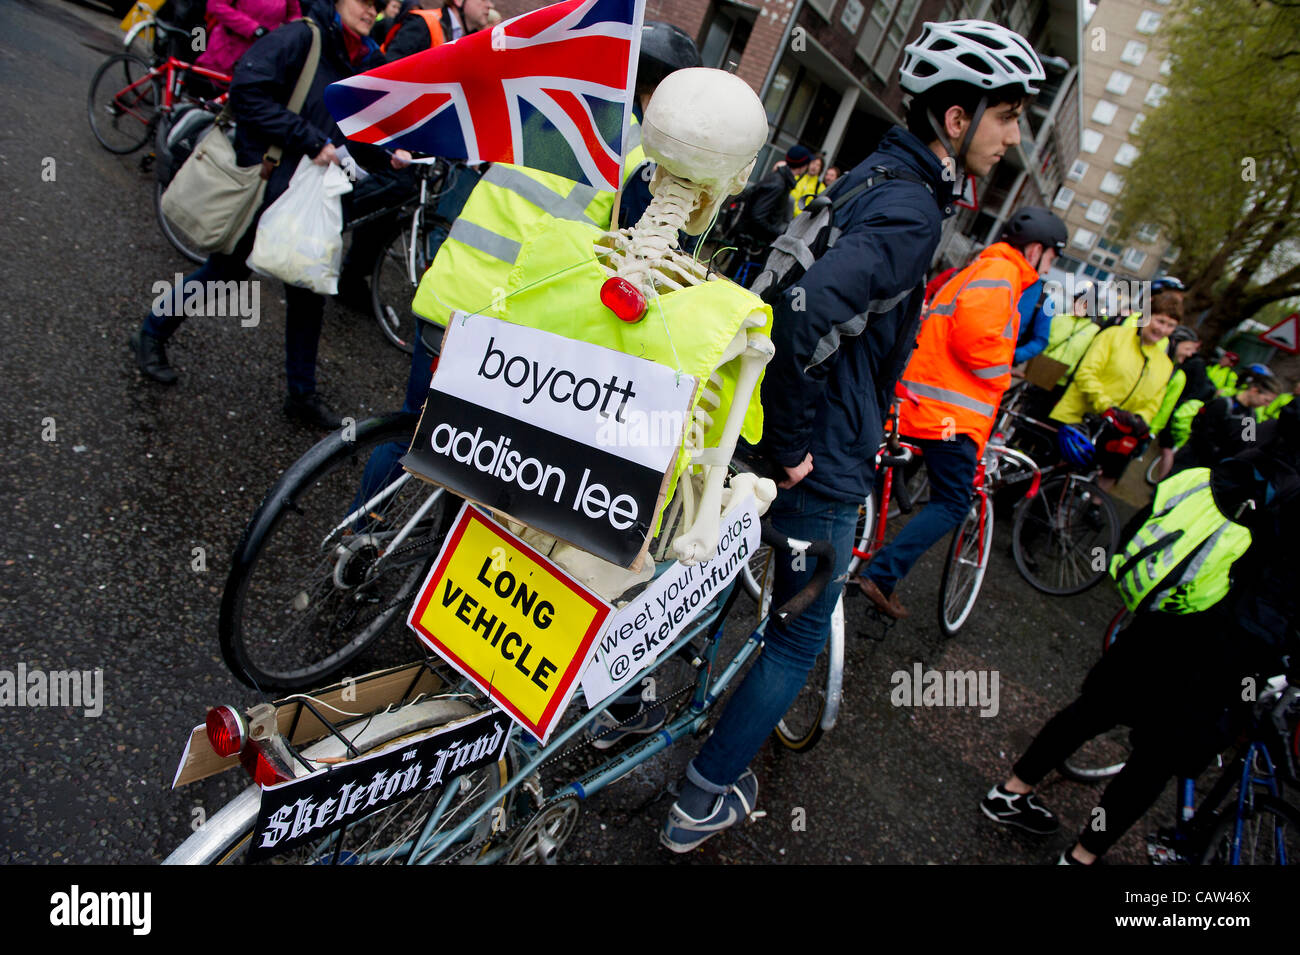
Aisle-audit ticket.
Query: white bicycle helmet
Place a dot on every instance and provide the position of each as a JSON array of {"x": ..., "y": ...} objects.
[{"x": 982, "y": 54}]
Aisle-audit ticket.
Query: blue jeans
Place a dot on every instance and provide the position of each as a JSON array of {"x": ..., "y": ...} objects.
[
  {"x": 304, "y": 314},
  {"x": 382, "y": 467},
  {"x": 951, "y": 469},
  {"x": 789, "y": 652}
]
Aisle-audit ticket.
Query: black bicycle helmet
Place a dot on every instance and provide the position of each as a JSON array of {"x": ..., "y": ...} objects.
[
  {"x": 664, "y": 49},
  {"x": 1035, "y": 224},
  {"x": 1181, "y": 334}
]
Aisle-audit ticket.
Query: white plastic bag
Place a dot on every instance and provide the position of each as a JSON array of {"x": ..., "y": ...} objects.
[{"x": 300, "y": 237}]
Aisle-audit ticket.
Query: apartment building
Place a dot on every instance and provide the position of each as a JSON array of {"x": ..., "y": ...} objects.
[{"x": 1124, "y": 72}]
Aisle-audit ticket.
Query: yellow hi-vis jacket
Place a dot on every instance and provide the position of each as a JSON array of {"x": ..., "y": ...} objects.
[
  {"x": 472, "y": 268},
  {"x": 1069, "y": 340},
  {"x": 1180, "y": 560},
  {"x": 1119, "y": 371}
]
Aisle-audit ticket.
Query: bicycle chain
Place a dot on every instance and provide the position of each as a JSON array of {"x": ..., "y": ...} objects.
[{"x": 550, "y": 801}]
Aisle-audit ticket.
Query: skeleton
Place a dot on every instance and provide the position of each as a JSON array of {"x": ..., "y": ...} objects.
[{"x": 704, "y": 129}]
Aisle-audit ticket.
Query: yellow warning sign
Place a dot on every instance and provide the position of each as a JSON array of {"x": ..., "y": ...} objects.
[{"x": 508, "y": 619}]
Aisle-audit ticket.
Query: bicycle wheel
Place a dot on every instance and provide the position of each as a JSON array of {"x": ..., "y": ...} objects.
[
  {"x": 1270, "y": 835},
  {"x": 968, "y": 557},
  {"x": 816, "y": 708},
  {"x": 383, "y": 837},
  {"x": 123, "y": 103},
  {"x": 310, "y": 590},
  {"x": 391, "y": 285},
  {"x": 1064, "y": 536},
  {"x": 165, "y": 168}
]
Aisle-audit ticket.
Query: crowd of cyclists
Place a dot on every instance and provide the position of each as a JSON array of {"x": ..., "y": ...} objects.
[{"x": 860, "y": 329}]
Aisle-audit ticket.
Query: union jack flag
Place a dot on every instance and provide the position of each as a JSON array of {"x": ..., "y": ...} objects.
[{"x": 551, "y": 90}]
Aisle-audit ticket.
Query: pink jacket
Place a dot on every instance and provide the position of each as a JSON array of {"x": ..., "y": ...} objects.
[{"x": 236, "y": 20}]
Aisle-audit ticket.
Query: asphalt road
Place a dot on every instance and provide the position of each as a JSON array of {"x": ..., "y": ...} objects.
[{"x": 96, "y": 566}]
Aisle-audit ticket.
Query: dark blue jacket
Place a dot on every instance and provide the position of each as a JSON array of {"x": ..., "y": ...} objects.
[
  {"x": 845, "y": 331},
  {"x": 1035, "y": 323},
  {"x": 263, "y": 83}
]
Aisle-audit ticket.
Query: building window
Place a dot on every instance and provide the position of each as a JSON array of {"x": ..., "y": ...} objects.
[
  {"x": 724, "y": 41},
  {"x": 1098, "y": 211},
  {"x": 1156, "y": 94},
  {"x": 851, "y": 15},
  {"x": 1078, "y": 169},
  {"x": 1170, "y": 257},
  {"x": 1090, "y": 140},
  {"x": 1134, "y": 126},
  {"x": 1134, "y": 51},
  {"x": 1104, "y": 112},
  {"x": 888, "y": 25},
  {"x": 824, "y": 7},
  {"x": 1148, "y": 21},
  {"x": 1083, "y": 239},
  {"x": 1111, "y": 184},
  {"x": 1126, "y": 154},
  {"x": 1134, "y": 259},
  {"x": 1108, "y": 246},
  {"x": 1166, "y": 66},
  {"x": 1148, "y": 233},
  {"x": 1064, "y": 197},
  {"x": 1119, "y": 82}
]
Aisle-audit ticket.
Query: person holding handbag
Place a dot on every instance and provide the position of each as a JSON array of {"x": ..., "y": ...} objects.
[{"x": 264, "y": 83}]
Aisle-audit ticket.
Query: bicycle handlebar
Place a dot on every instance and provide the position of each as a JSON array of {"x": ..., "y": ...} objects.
[{"x": 821, "y": 550}]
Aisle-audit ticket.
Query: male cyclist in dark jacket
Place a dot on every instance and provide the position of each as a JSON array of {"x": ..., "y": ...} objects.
[{"x": 843, "y": 334}]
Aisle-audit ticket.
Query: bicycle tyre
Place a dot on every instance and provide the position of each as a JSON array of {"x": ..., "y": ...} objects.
[
  {"x": 1269, "y": 820},
  {"x": 224, "y": 837},
  {"x": 122, "y": 125},
  {"x": 350, "y": 603},
  {"x": 391, "y": 287},
  {"x": 1054, "y": 548},
  {"x": 963, "y": 574},
  {"x": 164, "y": 171},
  {"x": 815, "y": 710}
]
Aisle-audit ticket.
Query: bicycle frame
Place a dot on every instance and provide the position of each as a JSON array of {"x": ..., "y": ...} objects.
[{"x": 172, "y": 69}]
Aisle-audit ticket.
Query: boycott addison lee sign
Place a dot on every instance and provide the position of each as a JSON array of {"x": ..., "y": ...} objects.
[{"x": 520, "y": 420}]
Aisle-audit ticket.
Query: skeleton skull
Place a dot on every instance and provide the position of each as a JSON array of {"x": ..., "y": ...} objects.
[{"x": 706, "y": 127}]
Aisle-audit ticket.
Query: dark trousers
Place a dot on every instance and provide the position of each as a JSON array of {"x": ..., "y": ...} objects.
[
  {"x": 304, "y": 314},
  {"x": 1173, "y": 681},
  {"x": 950, "y": 466}
]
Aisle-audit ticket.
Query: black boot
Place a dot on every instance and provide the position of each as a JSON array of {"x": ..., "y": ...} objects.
[
  {"x": 151, "y": 358},
  {"x": 354, "y": 292},
  {"x": 310, "y": 409}
]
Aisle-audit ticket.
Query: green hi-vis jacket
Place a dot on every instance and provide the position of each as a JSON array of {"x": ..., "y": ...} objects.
[
  {"x": 555, "y": 286},
  {"x": 1069, "y": 340},
  {"x": 473, "y": 265},
  {"x": 1180, "y": 560}
]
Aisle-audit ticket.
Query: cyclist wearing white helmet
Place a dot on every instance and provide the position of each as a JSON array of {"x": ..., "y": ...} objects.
[{"x": 844, "y": 331}]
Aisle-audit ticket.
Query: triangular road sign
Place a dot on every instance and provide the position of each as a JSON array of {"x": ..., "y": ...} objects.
[{"x": 1285, "y": 334}]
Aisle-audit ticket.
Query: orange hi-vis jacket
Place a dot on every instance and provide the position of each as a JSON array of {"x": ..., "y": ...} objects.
[{"x": 962, "y": 362}]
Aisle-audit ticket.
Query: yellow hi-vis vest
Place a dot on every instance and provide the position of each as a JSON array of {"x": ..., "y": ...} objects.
[
  {"x": 473, "y": 265},
  {"x": 555, "y": 287},
  {"x": 1180, "y": 560}
]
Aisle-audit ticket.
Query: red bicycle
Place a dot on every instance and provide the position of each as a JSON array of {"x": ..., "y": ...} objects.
[
  {"x": 129, "y": 96},
  {"x": 898, "y": 476}
]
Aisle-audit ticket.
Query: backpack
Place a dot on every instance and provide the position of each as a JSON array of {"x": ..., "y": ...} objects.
[
  {"x": 732, "y": 216},
  {"x": 809, "y": 235}
]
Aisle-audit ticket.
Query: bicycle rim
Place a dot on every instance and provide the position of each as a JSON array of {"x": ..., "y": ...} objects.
[
  {"x": 120, "y": 107},
  {"x": 382, "y": 838},
  {"x": 1270, "y": 835},
  {"x": 815, "y": 709},
  {"x": 968, "y": 557},
  {"x": 181, "y": 240},
  {"x": 1064, "y": 536},
  {"x": 308, "y": 591}
]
